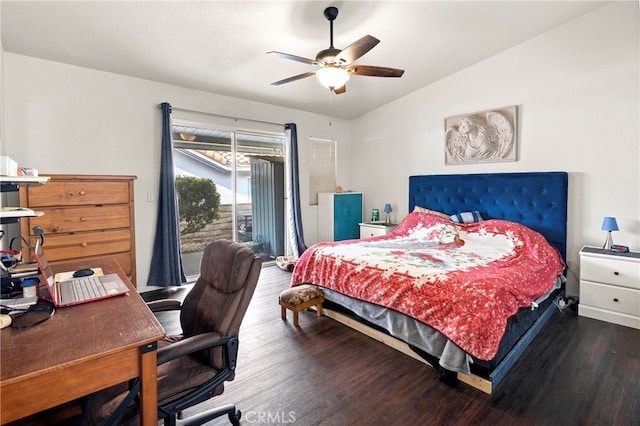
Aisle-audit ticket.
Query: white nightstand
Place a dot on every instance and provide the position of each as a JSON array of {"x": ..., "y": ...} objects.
[
  {"x": 376, "y": 229},
  {"x": 610, "y": 286}
]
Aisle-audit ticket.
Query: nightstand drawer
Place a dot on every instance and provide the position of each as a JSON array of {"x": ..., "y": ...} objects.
[
  {"x": 371, "y": 232},
  {"x": 373, "y": 229},
  {"x": 616, "y": 299},
  {"x": 610, "y": 271}
]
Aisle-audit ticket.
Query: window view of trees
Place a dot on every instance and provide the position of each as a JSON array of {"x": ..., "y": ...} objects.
[
  {"x": 198, "y": 202},
  {"x": 229, "y": 185}
]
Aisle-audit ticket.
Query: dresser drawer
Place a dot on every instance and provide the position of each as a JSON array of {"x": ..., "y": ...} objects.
[
  {"x": 610, "y": 271},
  {"x": 616, "y": 299},
  {"x": 73, "y": 193},
  {"x": 77, "y": 219},
  {"x": 73, "y": 246}
]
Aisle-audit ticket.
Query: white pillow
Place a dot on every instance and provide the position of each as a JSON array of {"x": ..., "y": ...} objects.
[{"x": 467, "y": 217}]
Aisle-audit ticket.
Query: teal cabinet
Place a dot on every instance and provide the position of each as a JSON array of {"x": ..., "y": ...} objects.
[{"x": 339, "y": 216}]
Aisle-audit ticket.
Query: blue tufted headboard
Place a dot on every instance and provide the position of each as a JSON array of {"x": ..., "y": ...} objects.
[{"x": 535, "y": 199}]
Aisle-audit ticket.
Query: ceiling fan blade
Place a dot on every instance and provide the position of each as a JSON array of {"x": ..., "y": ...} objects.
[
  {"x": 357, "y": 49},
  {"x": 293, "y": 57},
  {"x": 340, "y": 89},
  {"x": 369, "y": 70},
  {"x": 294, "y": 78}
]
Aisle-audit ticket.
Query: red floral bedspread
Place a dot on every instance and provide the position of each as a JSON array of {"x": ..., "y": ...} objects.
[{"x": 464, "y": 280}]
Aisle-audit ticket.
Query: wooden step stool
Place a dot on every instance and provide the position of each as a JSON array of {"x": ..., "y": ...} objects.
[{"x": 299, "y": 298}]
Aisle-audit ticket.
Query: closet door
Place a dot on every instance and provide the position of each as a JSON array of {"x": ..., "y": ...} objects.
[{"x": 348, "y": 215}]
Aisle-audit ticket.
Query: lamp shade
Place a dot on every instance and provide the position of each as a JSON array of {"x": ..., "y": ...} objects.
[
  {"x": 387, "y": 208},
  {"x": 609, "y": 224},
  {"x": 332, "y": 77}
]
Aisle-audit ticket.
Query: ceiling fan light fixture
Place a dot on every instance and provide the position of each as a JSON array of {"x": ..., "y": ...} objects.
[
  {"x": 332, "y": 77},
  {"x": 335, "y": 66}
]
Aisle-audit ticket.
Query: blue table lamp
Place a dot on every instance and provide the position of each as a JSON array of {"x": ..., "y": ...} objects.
[
  {"x": 609, "y": 224},
  {"x": 388, "y": 210}
]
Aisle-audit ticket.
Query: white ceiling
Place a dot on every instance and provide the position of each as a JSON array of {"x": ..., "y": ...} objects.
[{"x": 220, "y": 46}]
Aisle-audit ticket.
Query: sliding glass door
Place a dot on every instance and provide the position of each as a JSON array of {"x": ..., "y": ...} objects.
[{"x": 230, "y": 185}]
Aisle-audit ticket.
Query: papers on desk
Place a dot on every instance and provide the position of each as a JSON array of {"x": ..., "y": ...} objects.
[
  {"x": 66, "y": 276},
  {"x": 31, "y": 180},
  {"x": 23, "y": 270},
  {"x": 25, "y": 267},
  {"x": 18, "y": 212},
  {"x": 18, "y": 303}
]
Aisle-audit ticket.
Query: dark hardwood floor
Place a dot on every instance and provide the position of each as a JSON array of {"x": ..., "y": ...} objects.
[{"x": 578, "y": 371}]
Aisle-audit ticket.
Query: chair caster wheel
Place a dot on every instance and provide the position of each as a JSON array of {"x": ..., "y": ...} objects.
[{"x": 234, "y": 418}]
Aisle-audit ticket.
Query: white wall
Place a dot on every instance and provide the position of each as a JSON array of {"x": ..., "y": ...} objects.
[
  {"x": 68, "y": 119},
  {"x": 576, "y": 88}
]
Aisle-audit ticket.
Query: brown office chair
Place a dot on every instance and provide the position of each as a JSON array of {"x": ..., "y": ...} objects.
[{"x": 193, "y": 366}]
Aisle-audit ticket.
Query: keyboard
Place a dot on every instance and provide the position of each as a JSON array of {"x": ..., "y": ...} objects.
[{"x": 81, "y": 289}]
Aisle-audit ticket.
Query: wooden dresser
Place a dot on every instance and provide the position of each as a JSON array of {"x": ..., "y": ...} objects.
[{"x": 85, "y": 217}]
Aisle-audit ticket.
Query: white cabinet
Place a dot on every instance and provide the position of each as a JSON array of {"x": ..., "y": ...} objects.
[
  {"x": 339, "y": 215},
  {"x": 375, "y": 229},
  {"x": 610, "y": 286}
]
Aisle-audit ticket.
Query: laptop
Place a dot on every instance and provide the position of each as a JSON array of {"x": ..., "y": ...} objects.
[{"x": 78, "y": 290}]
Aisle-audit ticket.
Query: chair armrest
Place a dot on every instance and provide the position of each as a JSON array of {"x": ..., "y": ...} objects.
[
  {"x": 206, "y": 390},
  {"x": 164, "y": 305},
  {"x": 194, "y": 344}
]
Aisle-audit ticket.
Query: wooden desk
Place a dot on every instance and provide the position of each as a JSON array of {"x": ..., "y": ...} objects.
[{"x": 80, "y": 350}]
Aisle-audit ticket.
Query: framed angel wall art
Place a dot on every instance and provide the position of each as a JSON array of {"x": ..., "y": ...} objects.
[{"x": 481, "y": 137}]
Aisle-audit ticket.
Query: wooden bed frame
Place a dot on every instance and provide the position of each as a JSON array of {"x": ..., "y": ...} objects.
[{"x": 535, "y": 199}]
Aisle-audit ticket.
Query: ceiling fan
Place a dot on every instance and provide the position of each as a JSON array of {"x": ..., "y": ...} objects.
[{"x": 335, "y": 66}]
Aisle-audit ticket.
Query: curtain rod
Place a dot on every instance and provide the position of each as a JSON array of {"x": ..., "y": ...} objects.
[{"x": 223, "y": 116}]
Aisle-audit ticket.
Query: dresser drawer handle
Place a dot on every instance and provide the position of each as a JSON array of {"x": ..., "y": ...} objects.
[
  {"x": 615, "y": 299},
  {"x": 82, "y": 192},
  {"x": 616, "y": 273},
  {"x": 82, "y": 219},
  {"x": 84, "y": 244}
]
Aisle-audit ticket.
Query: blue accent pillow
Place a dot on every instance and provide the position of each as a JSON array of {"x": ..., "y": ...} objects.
[{"x": 467, "y": 217}]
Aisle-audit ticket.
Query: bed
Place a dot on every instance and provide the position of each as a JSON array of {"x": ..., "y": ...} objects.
[{"x": 471, "y": 322}]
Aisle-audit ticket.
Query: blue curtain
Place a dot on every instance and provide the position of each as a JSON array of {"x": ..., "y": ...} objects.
[
  {"x": 166, "y": 261},
  {"x": 295, "y": 220}
]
